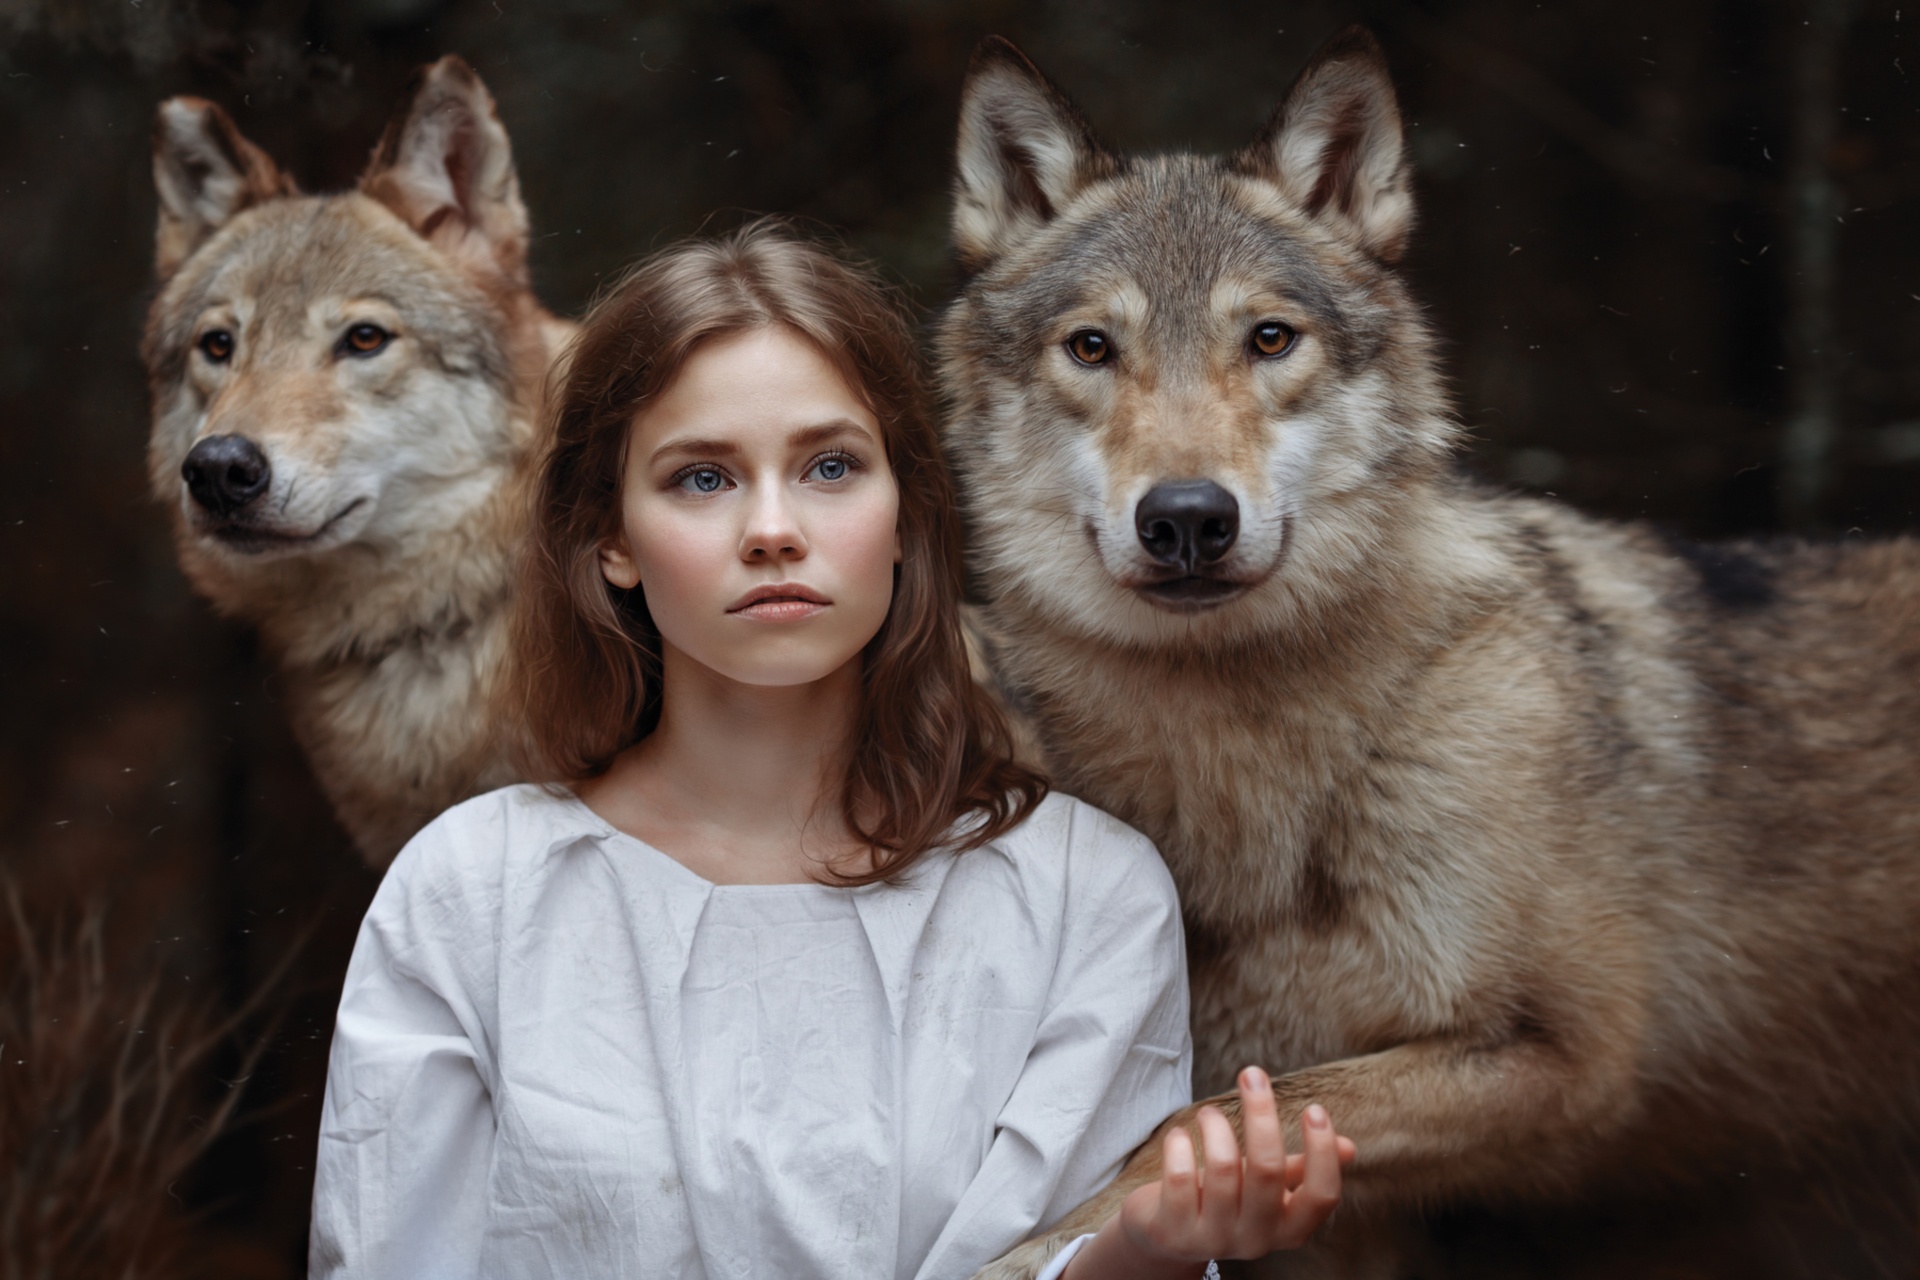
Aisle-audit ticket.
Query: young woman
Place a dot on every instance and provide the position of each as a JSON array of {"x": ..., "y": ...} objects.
[{"x": 789, "y": 970}]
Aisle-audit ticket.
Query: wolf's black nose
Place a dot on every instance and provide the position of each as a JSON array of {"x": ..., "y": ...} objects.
[
  {"x": 1187, "y": 523},
  {"x": 225, "y": 473}
]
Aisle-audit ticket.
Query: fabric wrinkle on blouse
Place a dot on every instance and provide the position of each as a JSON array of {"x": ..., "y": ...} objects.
[
  {"x": 561, "y": 1052},
  {"x": 790, "y": 1055}
]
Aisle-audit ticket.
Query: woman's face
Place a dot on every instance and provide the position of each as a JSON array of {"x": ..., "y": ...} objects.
[{"x": 759, "y": 513}]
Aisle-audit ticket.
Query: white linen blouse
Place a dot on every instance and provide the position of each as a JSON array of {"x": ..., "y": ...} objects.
[{"x": 562, "y": 1053}]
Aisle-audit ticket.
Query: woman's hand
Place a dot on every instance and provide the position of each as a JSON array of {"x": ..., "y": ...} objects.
[{"x": 1227, "y": 1205}]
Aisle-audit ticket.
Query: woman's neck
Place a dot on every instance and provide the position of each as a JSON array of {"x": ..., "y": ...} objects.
[{"x": 742, "y": 784}]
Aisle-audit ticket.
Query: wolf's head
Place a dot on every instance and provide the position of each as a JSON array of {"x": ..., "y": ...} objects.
[
  {"x": 332, "y": 372},
  {"x": 1185, "y": 390}
]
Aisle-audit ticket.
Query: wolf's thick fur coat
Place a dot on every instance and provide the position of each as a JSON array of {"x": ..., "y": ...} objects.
[
  {"x": 377, "y": 559},
  {"x": 1542, "y": 851}
]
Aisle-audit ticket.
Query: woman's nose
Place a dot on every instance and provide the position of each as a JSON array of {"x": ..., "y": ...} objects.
[{"x": 773, "y": 530}]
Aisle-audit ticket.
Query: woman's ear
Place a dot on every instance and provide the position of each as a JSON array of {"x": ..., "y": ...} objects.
[{"x": 617, "y": 566}]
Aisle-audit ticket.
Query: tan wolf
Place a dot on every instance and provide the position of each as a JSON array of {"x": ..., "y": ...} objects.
[
  {"x": 1541, "y": 851},
  {"x": 343, "y": 390}
]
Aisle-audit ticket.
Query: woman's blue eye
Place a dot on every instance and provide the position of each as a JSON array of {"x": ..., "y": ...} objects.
[
  {"x": 833, "y": 468},
  {"x": 705, "y": 480}
]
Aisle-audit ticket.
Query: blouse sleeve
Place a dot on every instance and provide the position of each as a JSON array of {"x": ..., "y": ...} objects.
[
  {"x": 1058, "y": 1267},
  {"x": 1112, "y": 1057},
  {"x": 407, "y": 1128}
]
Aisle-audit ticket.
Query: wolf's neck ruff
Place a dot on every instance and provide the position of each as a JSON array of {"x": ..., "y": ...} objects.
[{"x": 453, "y": 625}]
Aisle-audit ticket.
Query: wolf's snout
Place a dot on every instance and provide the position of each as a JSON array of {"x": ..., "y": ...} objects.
[
  {"x": 225, "y": 473},
  {"x": 1185, "y": 524}
]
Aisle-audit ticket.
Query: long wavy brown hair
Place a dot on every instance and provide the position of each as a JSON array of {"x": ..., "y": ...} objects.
[{"x": 931, "y": 761}]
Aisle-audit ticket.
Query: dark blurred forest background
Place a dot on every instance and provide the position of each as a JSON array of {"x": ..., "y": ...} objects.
[{"x": 1671, "y": 245}]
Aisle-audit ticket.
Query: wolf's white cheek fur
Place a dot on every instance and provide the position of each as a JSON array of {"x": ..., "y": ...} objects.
[
  {"x": 418, "y": 449},
  {"x": 1325, "y": 451},
  {"x": 1319, "y": 461},
  {"x": 177, "y": 428},
  {"x": 1038, "y": 494}
]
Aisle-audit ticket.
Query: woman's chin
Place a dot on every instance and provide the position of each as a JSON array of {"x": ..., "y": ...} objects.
[{"x": 793, "y": 667}]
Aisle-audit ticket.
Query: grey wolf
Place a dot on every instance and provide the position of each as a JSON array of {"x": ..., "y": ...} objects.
[
  {"x": 343, "y": 390},
  {"x": 1543, "y": 852}
]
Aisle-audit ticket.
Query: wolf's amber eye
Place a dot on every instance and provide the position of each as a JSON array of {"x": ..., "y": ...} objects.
[
  {"x": 1271, "y": 338},
  {"x": 365, "y": 339},
  {"x": 1089, "y": 346},
  {"x": 216, "y": 345}
]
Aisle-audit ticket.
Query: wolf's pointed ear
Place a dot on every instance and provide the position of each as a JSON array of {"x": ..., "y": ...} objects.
[
  {"x": 1336, "y": 147},
  {"x": 444, "y": 165},
  {"x": 204, "y": 172},
  {"x": 1024, "y": 152}
]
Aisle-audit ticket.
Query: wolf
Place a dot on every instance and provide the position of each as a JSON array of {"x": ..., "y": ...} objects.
[
  {"x": 344, "y": 390},
  {"x": 1546, "y": 853}
]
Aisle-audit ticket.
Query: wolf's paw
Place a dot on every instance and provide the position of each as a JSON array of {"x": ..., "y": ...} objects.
[{"x": 1025, "y": 1261}]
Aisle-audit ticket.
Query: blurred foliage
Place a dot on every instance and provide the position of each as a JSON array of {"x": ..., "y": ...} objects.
[{"x": 1607, "y": 203}]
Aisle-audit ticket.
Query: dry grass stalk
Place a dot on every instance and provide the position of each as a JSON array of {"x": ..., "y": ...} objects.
[{"x": 106, "y": 1098}]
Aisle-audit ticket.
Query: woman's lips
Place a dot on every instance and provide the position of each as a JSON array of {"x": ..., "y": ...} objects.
[
  {"x": 780, "y": 602},
  {"x": 781, "y": 610}
]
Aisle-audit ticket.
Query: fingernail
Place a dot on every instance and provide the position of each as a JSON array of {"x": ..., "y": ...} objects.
[
  {"x": 1317, "y": 1116},
  {"x": 1253, "y": 1079}
]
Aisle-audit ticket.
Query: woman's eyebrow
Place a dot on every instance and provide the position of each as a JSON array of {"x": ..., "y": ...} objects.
[
  {"x": 706, "y": 448},
  {"x": 801, "y": 438},
  {"x": 824, "y": 431}
]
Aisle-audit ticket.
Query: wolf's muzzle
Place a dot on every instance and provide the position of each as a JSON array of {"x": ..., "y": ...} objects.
[
  {"x": 225, "y": 473},
  {"x": 1187, "y": 524}
]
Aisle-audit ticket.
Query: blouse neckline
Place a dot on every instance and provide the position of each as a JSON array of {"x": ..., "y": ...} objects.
[
  {"x": 610, "y": 832},
  {"x": 893, "y": 913}
]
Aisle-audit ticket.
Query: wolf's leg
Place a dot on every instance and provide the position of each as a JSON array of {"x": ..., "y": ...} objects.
[
  {"x": 1444, "y": 1118},
  {"x": 1432, "y": 1120},
  {"x": 1517, "y": 1119},
  {"x": 1348, "y": 1248}
]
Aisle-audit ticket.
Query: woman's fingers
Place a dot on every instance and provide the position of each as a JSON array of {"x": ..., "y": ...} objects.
[
  {"x": 1266, "y": 1146},
  {"x": 1213, "y": 1201},
  {"x": 1319, "y": 1190},
  {"x": 1297, "y": 1163},
  {"x": 1220, "y": 1179},
  {"x": 1180, "y": 1179}
]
